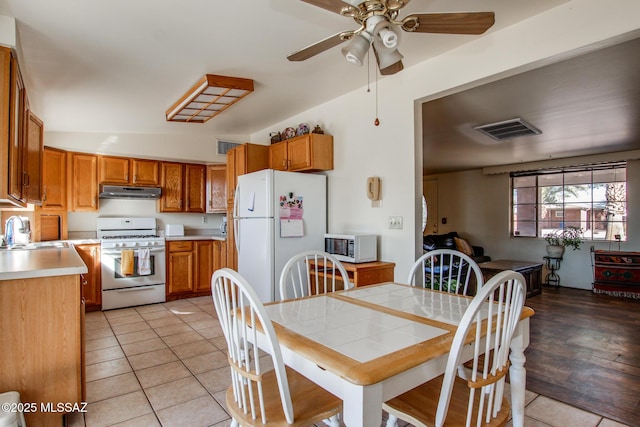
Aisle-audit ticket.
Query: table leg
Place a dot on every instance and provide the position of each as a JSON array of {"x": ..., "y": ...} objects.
[
  {"x": 517, "y": 372},
  {"x": 363, "y": 407}
]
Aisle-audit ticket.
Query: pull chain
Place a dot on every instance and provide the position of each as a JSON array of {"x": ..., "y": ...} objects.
[{"x": 376, "y": 122}]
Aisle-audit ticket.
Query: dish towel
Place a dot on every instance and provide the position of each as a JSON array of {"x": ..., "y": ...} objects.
[
  {"x": 126, "y": 263},
  {"x": 144, "y": 262}
]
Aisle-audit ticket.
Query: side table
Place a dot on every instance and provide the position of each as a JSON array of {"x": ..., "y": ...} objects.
[
  {"x": 532, "y": 272},
  {"x": 366, "y": 273},
  {"x": 553, "y": 265}
]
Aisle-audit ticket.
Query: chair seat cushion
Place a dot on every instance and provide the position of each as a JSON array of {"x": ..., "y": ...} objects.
[
  {"x": 418, "y": 406},
  {"x": 311, "y": 403}
]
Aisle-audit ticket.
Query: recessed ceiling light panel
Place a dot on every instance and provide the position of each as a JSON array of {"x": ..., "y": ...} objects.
[{"x": 209, "y": 97}]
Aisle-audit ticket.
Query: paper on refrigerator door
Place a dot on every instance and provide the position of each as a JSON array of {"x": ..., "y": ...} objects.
[{"x": 291, "y": 228}]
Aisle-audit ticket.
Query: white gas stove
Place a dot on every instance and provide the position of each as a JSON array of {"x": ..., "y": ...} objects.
[{"x": 133, "y": 262}]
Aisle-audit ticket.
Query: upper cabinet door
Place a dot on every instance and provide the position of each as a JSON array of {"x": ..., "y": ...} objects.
[
  {"x": 195, "y": 183},
  {"x": 54, "y": 179},
  {"x": 171, "y": 183},
  {"x": 216, "y": 189},
  {"x": 114, "y": 170},
  {"x": 144, "y": 172},
  {"x": 83, "y": 178},
  {"x": 17, "y": 114},
  {"x": 32, "y": 161}
]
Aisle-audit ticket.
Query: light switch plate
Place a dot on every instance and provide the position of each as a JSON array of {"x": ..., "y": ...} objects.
[{"x": 395, "y": 222}]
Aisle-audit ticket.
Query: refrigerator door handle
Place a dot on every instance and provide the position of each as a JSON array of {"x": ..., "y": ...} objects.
[
  {"x": 236, "y": 233},
  {"x": 236, "y": 224},
  {"x": 235, "y": 201}
]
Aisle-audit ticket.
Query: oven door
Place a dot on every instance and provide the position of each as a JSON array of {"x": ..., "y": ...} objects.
[{"x": 113, "y": 276}]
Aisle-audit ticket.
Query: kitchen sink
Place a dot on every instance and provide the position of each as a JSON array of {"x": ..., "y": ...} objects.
[{"x": 35, "y": 246}]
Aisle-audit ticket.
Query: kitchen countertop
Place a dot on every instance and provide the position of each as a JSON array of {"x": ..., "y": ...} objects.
[
  {"x": 28, "y": 264},
  {"x": 214, "y": 236}
]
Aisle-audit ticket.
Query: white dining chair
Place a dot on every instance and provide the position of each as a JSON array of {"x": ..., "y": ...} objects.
[
  {"x": 489, "y": 322},
  {"x": 312, "y": 273},
  {"x": 446, "y": 270},
  {"x": 261, "y": 396}
]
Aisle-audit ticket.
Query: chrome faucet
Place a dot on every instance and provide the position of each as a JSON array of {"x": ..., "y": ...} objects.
[{"x": 10, "y": 231}]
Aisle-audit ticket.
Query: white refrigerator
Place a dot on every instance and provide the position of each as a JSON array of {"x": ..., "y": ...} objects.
[{"x": 276, "y": 215}]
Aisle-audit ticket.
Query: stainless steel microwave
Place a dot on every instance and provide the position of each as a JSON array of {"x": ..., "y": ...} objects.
[{"x": 352, "y": 247}]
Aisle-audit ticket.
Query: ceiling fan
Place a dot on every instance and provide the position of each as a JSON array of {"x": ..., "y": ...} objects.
[{"x": 380, "y": 28}]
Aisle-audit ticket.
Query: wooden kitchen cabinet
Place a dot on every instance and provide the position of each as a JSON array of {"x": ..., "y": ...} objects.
[
  {"x": 190, "y": 265},
  {"x": 195, "y": 187},
  {"x": 54, "y": 179},
  {"x": 49, "y": 225},
  {"x": 20, "y": 139},
  {"x": 216, "y": 189},
  {"x": 245, "y": 158},
  {"x": 92, "y": 280},
  {"x": 114, "y": 170},
  {"x": 125, "y": 171},
  {"x": 310, "y": 152},
  {"x": 82, "y": 176},
  {"x": 219, "y": 254},
  {"x": 145, "y": 172},
  {"x": 43, "y": 343},
  {"x": 32, "y": 160},
  {"x": 204, "y": 266},
  {"x": 183, "y": 187},
  {"x": 180, "y": 268}
]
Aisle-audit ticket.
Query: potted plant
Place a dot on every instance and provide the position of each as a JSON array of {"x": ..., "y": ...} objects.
[{"x": 559, "y": 239}]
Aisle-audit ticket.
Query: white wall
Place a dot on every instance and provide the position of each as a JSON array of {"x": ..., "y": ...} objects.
[
  {"x": 83, "y": 224},
  {"x": 173, "y": 147},
  {"x": 480, "y": 209},
  {"x": 393, "y": 150}
]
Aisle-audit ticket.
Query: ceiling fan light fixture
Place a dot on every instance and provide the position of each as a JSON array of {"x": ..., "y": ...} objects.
[
  {"x": 209, "y": 97},
  {"x": 357, "y": 49}
]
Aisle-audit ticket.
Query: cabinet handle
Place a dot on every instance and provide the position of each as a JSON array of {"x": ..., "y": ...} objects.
[
  {"x": 126, "y": 177},
  {"x": 25, "y": 179},
  {"x": 44, "y": 193},
  {"x": 83, "y": 280},
  {"x": 284, "y": 163},
  {"x": 288, "y": 164}
]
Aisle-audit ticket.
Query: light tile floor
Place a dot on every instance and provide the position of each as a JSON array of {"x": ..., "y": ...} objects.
[{"x": 164, "y": 365}]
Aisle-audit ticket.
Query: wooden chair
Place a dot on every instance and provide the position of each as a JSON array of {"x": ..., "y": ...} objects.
[
  {"x": 260, "y": 397},
  {"x": 446, "y": 270},
  {"x": 326, "y": 274},
  {"x": 481, "y": 396}
]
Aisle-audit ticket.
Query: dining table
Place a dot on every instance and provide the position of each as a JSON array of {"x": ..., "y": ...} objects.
[{"x": 367, "y": 345}]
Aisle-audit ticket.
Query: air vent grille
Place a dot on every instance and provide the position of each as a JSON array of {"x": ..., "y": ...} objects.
[
  {"x": 508, "y": 129},
  {"x": 224, "y": 146}
]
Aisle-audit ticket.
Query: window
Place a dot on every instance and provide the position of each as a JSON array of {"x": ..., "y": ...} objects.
[{"x": 593, "y": 198}]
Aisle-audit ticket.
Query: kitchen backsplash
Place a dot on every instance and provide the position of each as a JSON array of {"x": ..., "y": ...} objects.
[{"x": 84, "y": 223}]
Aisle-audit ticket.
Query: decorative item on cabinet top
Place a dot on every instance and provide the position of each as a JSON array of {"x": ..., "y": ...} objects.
[{"x": 291, "y": 132}]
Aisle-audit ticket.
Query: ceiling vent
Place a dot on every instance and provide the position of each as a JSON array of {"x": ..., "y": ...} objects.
[
  {"x": 508, "y": 129},
  {"x": 224, "y": 146}
]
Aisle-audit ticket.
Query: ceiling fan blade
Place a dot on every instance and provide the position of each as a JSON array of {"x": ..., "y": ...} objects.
[
  {"x": 316, "y": 48},
  {"x": 450, "y": 23},
  {"x": 392, "y": 69},
  {"x": 330, "y": 5}
]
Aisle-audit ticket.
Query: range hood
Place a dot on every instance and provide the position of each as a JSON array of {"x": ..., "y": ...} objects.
[{"x": 126, "y": 192}]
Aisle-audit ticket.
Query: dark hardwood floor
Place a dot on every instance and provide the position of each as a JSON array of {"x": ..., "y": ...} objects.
[{"x": 585, "y": 351}]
